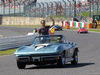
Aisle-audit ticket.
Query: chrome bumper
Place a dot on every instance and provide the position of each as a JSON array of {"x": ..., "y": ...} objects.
[{"x": 39, "y": 59}]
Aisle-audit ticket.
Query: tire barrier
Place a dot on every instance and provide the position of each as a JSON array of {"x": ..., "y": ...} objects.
[
  {"x": 89, "y": 25},
  {"x": 17, "y": 41}
]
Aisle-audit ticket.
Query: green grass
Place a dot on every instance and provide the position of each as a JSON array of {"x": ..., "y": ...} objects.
[
  {"x": 94, "y": 30},
  {"x": 85, "y": 14},
  {"x": 38, "y": 26},
  {"x": 30, "y": 26},
  {"x": 8, "y": 52}
]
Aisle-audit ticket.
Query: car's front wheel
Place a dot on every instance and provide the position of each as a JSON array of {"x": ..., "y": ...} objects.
[
  {"x": 61, "y": 62},
  {"x": 75, "y": 57},
  {"x": 21, "y": 65}
]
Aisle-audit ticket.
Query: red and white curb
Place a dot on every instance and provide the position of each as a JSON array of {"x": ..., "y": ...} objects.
[{"x": 76, "y": 24}]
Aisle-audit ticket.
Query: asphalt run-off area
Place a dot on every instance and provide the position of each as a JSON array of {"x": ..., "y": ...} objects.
[{"x": 89, "y": 55}]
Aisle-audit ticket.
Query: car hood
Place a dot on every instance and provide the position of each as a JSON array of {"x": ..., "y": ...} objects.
[
  {"x": 37, "y": 49},
  {"x": 83, "y": 29}
]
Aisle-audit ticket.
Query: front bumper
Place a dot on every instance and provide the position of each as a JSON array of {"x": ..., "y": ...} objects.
[
  {"x": 83, "y": 31},
  {"x": 41, "y": 59}
]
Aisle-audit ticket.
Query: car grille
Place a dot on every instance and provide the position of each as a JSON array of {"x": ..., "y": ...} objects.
[
  {"x": 49, "y": 58},
  {"x": 24, "y": 59}
]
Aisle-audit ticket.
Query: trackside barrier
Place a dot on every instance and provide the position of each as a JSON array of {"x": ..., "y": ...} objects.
[
  {"x": 79, "y": 24},
  {"x": 89, "y": 25},
  {"x": 17, "y": 41}
]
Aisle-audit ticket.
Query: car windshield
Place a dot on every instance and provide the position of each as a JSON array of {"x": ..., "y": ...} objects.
[
  {"x": 57, "y": 26},
  {"x": 81, "y": 28},
  {"x": 47, "y": 39},
  {"x": 97, "y": 18}
]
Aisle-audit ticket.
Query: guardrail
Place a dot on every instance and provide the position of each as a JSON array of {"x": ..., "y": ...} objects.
[{"x": 17, "y": 41}]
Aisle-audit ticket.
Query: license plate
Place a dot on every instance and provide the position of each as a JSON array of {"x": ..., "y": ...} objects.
[{"x": 35, "y": 59}]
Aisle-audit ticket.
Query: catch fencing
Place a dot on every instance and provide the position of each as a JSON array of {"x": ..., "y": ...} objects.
[
  {"x": 63, "y": 8},
  {"x": 29, "y": 8},
  {"x": 17, "y": 41},
  {"x": 88, "y": 9}
]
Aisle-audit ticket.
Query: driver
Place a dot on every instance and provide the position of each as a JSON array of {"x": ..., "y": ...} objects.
[{"x": 59, "y": 39}]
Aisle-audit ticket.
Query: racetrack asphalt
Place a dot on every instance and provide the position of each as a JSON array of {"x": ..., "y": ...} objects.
[
  {"x": 89, "y": 57},
  {"x": 7, "y": 31}
]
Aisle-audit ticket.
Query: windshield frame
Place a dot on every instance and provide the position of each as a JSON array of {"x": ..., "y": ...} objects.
[{"x": 51, "y": 36}]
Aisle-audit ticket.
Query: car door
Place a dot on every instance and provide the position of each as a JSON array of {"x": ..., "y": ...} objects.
[
  {"x": 67, "y": 48},
  {"x": 71, "y": 51}
]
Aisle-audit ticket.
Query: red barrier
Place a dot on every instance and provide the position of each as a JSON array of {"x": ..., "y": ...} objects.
[{"x": 67, "y": 25}]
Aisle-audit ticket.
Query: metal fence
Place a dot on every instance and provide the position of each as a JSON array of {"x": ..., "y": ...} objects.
[
  {"x": 13, "y": 42},
  {"x": 89, "y": 9},
  {"x": 95, "y": 8},
  {"x": 64, "y": 8},
  {"x": 14, "y": 8},
  {"x": 27, "y": 8},
  {"x": 60, "y": 8}
]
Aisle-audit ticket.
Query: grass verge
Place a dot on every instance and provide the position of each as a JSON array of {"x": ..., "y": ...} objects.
[
  {"x": 87, "y": 14},
  {"x": 8, "y": 52},
  {"x": 29, "y": 26},
  {"x": 90, "y": 29},
  {"x": 38, "y": 26}
]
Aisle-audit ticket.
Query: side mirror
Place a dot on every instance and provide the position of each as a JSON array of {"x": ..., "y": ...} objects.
[{"x": 72, "y": 43}]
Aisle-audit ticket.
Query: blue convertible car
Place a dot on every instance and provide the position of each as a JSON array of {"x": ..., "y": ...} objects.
[{"x": 48, "y": 49}]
